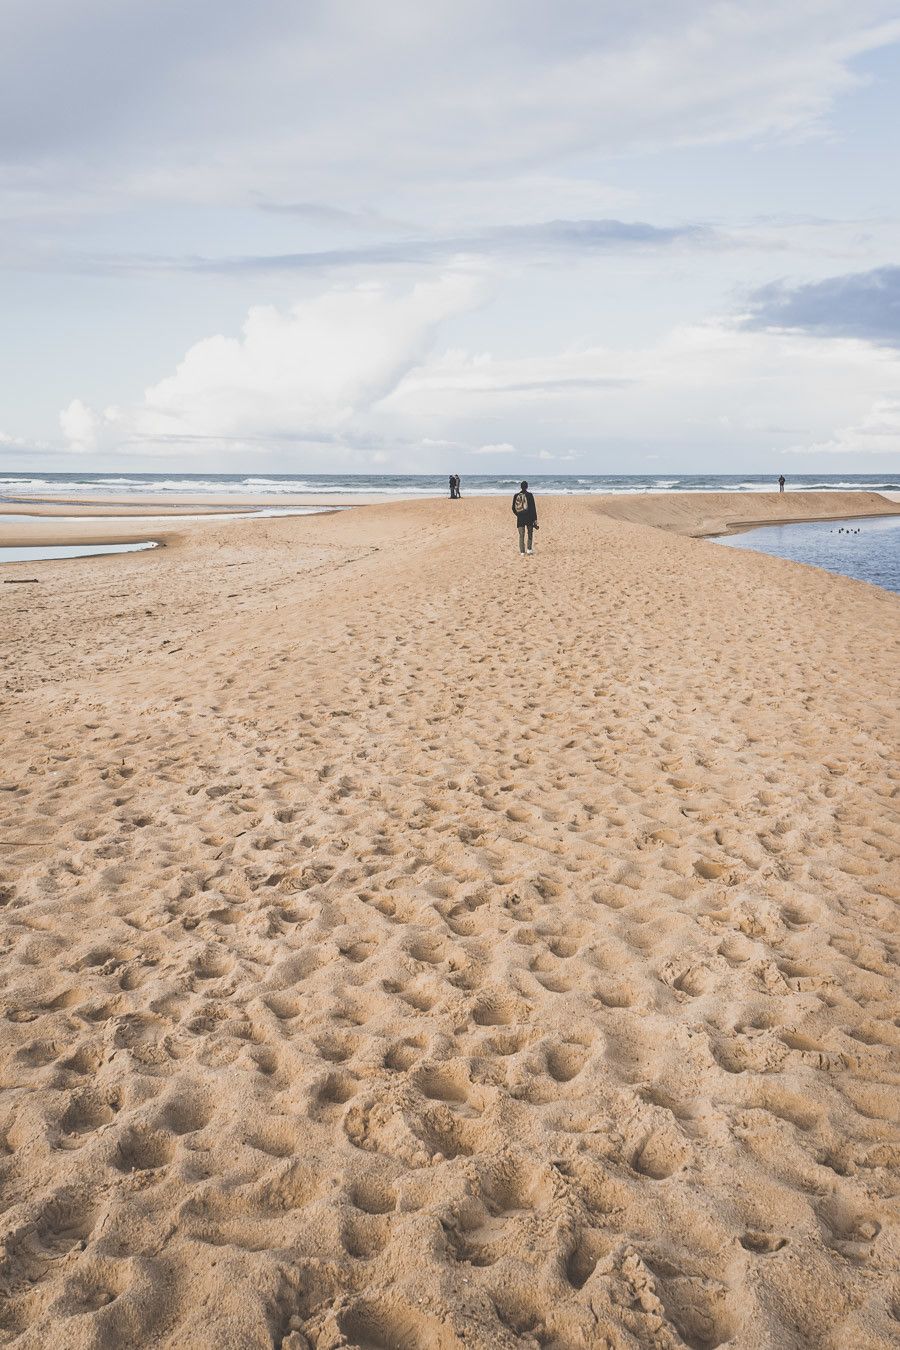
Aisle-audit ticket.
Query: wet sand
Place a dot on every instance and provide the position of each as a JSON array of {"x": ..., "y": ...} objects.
[{"x": 407, "y": 944}]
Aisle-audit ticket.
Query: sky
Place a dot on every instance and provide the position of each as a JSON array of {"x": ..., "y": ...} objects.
[{"x": 333, "y": 236}]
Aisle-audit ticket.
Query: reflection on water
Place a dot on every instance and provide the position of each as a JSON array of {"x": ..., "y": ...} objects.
[
  {"x": 44, "y": 552},
  {"x": 866, "y": 550}
]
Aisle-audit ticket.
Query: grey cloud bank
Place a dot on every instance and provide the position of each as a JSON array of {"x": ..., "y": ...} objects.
[
  {"x": 860, "y": 305},
  {"x": 211, "y": 100}
]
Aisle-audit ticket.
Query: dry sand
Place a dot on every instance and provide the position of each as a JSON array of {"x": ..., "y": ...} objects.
[{"x": 410, "y": 945}]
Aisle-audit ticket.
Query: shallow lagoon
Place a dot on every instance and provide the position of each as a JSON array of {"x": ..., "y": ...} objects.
[
  {"x": 46, "y": 552},
  {"x": 866, "y": 550}
]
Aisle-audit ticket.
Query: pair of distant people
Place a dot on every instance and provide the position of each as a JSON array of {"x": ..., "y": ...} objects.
[{"x": 455, "y": 493}]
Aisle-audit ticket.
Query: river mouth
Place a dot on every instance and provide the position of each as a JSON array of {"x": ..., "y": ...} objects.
[{"x": 865, "y": 549}]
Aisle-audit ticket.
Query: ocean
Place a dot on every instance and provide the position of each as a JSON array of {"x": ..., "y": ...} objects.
[{"x": 222, "y": 485}]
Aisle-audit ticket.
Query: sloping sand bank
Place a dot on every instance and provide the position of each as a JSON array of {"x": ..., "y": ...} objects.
[
  {"x": 408, "y": 944},
  {"x": 706, "y": 513}
]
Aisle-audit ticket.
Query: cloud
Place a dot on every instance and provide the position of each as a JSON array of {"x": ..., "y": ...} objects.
[
  {"x": 862, "y": 305},
  {"x": 79, "y": 425},
  {"x": 307, "y": 373},
  {"x": 713, "y": 389},
  {"x": 597, "y": 161},
  {"x": 331, "y": 217},
  {"x": 231, "y": 100},
  {"x": 877, "y": 434},
  {"x": 355, "y": 375},
  {"x": 576, "y": 374},
  {"x": 553, "y": 239},
  {"x": 11, "y": 445}
]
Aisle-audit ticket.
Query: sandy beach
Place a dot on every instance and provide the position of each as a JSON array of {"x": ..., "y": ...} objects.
[{"x": 410, "y": 945}]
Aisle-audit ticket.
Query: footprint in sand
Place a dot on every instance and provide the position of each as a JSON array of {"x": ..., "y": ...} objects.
[
  {"x": 85, "y": 1114},
  {"x": 589, "y": 1246},
  {"x": 565, "y": 1062},
  {"x": 661, "y": 1154},
  {"x": 141, "y": 1149}
]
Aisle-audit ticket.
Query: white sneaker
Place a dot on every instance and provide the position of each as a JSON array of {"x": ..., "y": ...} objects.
[{"x": 530, "y": 552}]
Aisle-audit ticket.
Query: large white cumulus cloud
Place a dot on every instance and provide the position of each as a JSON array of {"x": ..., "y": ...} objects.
[{"x": 308, "y": 372}]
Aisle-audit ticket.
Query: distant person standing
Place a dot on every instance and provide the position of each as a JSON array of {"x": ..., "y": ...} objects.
[
  {"x": 781, "y": 483},
  {"x": 453, "y": 487},
  {"x": 525, "y": 513},
  {"x": 458, "y": 484}
]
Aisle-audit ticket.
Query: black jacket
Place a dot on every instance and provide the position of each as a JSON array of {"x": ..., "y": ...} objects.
[{"x": 529, "y": 515}]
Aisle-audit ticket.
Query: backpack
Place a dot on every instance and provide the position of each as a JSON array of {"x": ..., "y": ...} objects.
[{"x": 520, "y": 502}]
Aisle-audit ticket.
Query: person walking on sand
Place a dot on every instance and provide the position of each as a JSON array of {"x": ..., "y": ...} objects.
[
  {"x": 525, "y": 513},
  {"x": 781, "y": 483}
]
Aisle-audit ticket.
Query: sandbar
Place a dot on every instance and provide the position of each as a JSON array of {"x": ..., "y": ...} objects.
[{"x": 407, "y": 943}]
